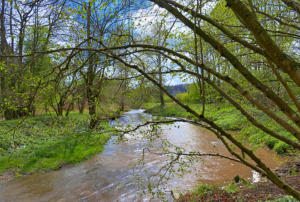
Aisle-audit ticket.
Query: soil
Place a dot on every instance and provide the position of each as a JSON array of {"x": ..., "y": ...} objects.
[
  {"x": 262, "y": 191},
  {"x": 6, "y": 177}
]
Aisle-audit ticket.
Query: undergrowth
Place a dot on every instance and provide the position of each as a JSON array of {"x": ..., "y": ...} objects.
[{"x": 47, "y": 142}]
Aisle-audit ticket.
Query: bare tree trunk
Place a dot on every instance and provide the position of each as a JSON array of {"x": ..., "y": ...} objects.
[
  {"x": 161, "y": 93},
  {"x": 8, "y": 113},
  {"x": 60, "y": 107},
  {"x": 91, "y": 97},
  {"x": 11, "y": 26},
  {"x": 2, "y": 45},
  {"x": 159, "y": 65},
  {"x": 81, "y": 104},
  {"x": 122, "y": 97}
]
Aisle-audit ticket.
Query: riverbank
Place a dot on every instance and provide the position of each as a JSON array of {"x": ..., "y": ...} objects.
[
  {"x": 47, "y": 142},
  {"x": 241, "y": 191},
  {"x": 231, "y": 119}
]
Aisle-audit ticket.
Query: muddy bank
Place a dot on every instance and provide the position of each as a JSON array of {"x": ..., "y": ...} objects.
[{"x": 261, "y": 191}]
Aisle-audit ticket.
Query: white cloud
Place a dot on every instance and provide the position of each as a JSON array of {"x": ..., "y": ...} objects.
[{"x": 145, "y": 20}]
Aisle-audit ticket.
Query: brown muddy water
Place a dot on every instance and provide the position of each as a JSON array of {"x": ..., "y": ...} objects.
[{"x": 116, "y": 175}]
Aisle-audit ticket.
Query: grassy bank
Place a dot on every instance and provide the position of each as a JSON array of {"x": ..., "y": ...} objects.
[
  {"x": 48, "y": 142},
  {"x": 231, "y": 119}
]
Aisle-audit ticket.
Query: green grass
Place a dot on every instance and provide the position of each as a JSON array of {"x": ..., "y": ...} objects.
[
  {"x": 47, "y": 142},
  {"x": 231, "y": 119},
  {"x": 202, "y": 189},
  {"x": 224, "y": 115}
]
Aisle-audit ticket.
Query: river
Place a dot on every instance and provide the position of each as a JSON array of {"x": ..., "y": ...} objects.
[{"x": 115, "y": 175}]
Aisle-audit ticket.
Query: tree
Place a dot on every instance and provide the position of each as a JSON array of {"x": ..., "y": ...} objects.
[
  {"x": 98, "y": 20},
  {"x": 246, "y": 51},
  {"x": 31, "y": 26}
]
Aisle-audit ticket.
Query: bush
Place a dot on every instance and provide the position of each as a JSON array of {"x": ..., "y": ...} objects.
[
  {"x": 281, "y": 147},
  {"x": 271, "y": 141}
]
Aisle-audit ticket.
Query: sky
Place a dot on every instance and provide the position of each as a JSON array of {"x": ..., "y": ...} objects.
[{"x": 146, "y": 19}]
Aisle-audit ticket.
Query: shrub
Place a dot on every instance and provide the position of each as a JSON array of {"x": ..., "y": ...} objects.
[
  {"x": 281, "y": 147},
  {"x": 270, "y": 141}
]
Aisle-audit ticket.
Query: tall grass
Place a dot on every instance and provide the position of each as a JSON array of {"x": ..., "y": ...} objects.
[{"x": 48, "y": 142}]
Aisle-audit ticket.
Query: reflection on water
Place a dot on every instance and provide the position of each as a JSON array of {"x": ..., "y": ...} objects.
[{"x": 110, "y": 176}]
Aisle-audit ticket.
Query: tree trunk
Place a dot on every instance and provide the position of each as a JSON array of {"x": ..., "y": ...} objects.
[
  {"x": 2, "y": 45},
  {"x": 81, "y": 104},
  {"x": 91, "y": 97},
  {"x": 60, "y": 107},
  {"x": 161, "y": 93},
  {"x": 92, "y": 108}
]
